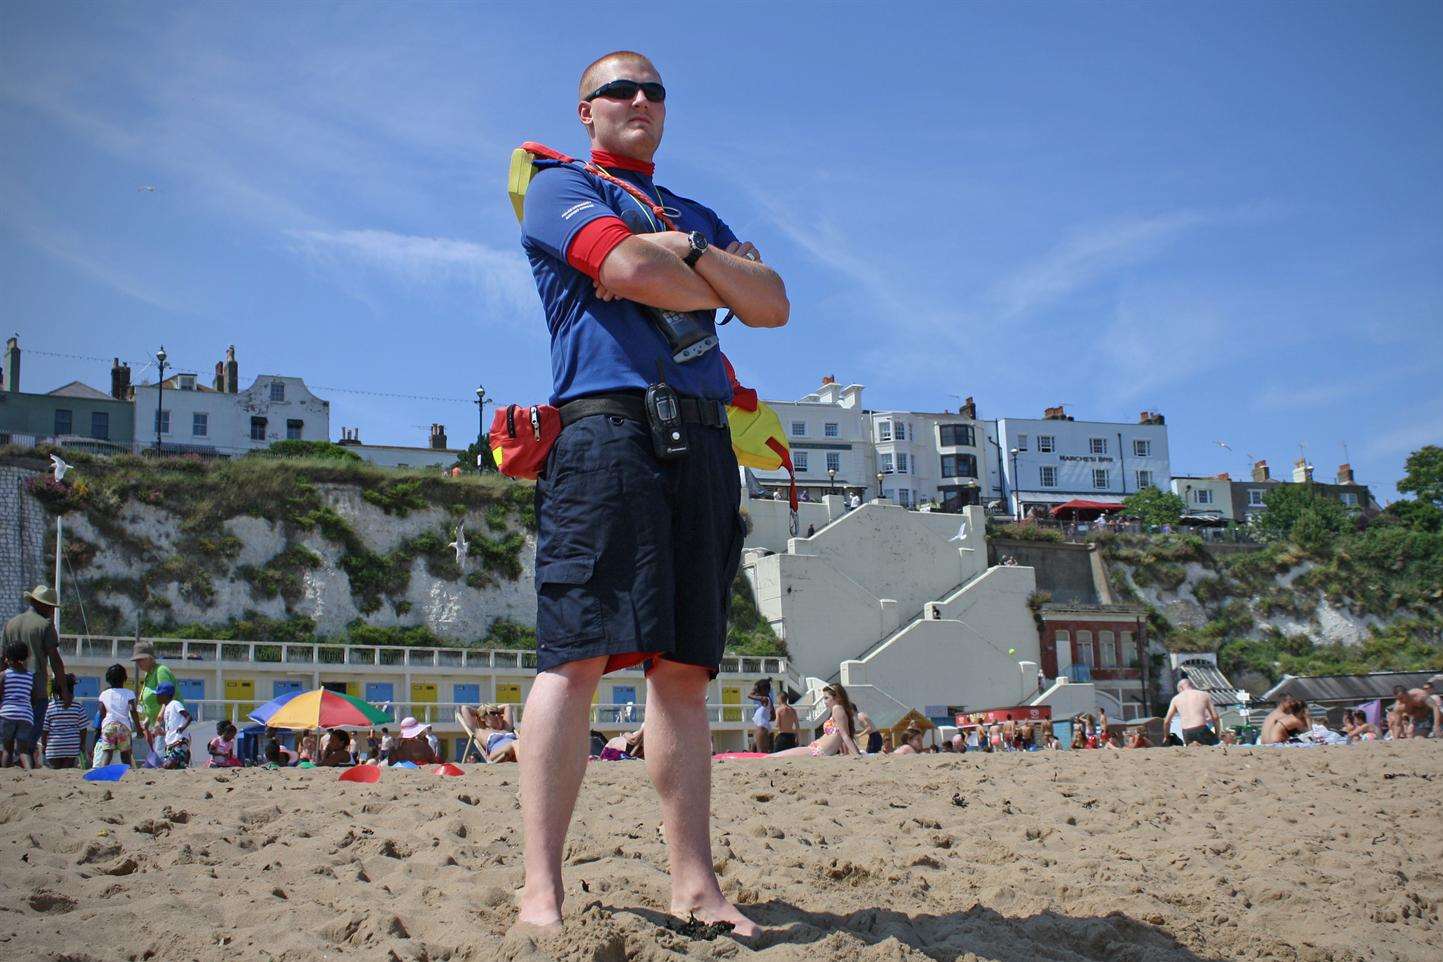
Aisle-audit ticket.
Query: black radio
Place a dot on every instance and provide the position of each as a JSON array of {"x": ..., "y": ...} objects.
[{"x": 663, "y": 416}]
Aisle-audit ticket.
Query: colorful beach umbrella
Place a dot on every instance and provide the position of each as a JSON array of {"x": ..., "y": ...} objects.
[
  {"x": 263, "y": 713},
  {"x": 324, "y": 708}
]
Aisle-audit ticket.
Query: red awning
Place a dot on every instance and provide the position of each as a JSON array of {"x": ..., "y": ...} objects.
[{"x": 1079, "y": 505}]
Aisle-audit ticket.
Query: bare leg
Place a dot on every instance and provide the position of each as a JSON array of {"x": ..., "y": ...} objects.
[
  {"x": 556, "y": 722},
  {"x": 678, "y": 759}
]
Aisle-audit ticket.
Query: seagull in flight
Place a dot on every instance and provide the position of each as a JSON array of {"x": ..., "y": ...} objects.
[
  {"x": 461, "y": 546},
  {"x": 145, "y": 188},
  {"x": 59, "y": 466},
  {"x": 1224, "y": 445},
  {"x": 961, "y": 532}
]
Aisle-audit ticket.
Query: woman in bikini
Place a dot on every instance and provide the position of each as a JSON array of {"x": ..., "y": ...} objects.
[
  {"x": 763, "y": 717},
  {"x": 501, "y": 743},
  {"x": 838, "y": 731}
]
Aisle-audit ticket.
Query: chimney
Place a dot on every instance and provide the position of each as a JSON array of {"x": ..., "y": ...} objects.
[
  {"x": 350, "y": 436},
  {"x": 218, "y": 382},
  {"x": 1345, "y": 474},
  {"x": 1302, "y": 471},
  {"x": 1260, "y": 471},
  {"x": 829, "y": 379},
  {"x": 1054, "y": 414},
  {"x": 11, "y": 374},
  {"x": 438, "y": 437},
  {"x": 1150, "y": 417},
  {"x": 119, "y": 380},
  {"x": 968, "y": 408},
  {"x": 1224, "y": 477},
  {"x": 232, "y": 371}
]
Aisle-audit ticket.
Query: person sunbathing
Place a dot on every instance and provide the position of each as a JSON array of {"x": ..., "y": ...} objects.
[
  {"x": 1138, "y": 738},
  {"x": 838, "y": 731},
  {"x": 499, "y": 740},
  {"x": 628, "y": 744},
  {"x": 911, "y": 743},
  {"x": 337, "y": 750},
  {"x": 1357, "y": 727},
  {"x": 1286, "y": 722}
]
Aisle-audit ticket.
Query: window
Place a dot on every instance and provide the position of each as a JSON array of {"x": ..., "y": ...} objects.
[
  {"x": 1062, "y": 641},
  {"x": 884, "y": 430},
  {"x": 959, "y": 435},
  {"x": 258, "y": 429},
  {"x": 1349, "y": 498},
  {"x": 901, "y": 462},
  {"x": 904, "y": 497},
  {"x": 1022, "y": 442},
  {"x": 100, "y": 424},
  {"x": 1202, "y": 496},
  {"x": 278, "y": 391},
  {"x": 885, "y": 465},
  {"x": 1141, "y": 448},
  {"x": 1099, "y": 478},
  {"x": 199, "y": 424},
  {"x": 1144, "y": 480},
  {"x": 1085, "y": 653},
  {"x": 186, "y": 382},
  {"x": 1097, "y": 445},
  {"x": 162, "y": 422},
  {"x": 799, "y": 429},
  {"x": 832, "y": 429},
  {"x": 1046, "y": 443},
  {"x": 293, "y": 429},
  {"x": 1107, "y": 648},
  {"x": 834, "y": 461},
  {"x": 1048, "y": 475},
  {"x": 1255, "y": 497},
  {"x": 899, "y": 430},
  {"x": 63, "y": 421},
  {"x": 1129, "y": 650},
  {"x": 799, "y": 460},
  {"x": 959, "y": 466}
]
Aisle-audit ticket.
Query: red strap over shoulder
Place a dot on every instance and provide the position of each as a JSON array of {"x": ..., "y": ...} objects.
[{"x": 541, "y": 150}]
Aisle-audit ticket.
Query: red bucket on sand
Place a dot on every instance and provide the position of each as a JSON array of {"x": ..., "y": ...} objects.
[
  {"x": 448, "y": 769},
  {"x": 362, "y": 773}
]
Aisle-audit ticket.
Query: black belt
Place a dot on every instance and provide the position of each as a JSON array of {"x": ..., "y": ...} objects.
[{"x": 694, "y": 410}]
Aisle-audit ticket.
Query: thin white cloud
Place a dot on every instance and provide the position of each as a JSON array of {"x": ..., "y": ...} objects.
[
  {"x": 501, "y": 278},
  {"x": 1423, "y": 428}
]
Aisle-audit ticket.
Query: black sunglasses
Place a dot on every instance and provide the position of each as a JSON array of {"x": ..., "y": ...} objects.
[{"x": 626, "y": 90}]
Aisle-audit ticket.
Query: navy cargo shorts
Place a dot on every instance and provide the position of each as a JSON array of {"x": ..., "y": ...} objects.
[{"x": 635, "y": 557}]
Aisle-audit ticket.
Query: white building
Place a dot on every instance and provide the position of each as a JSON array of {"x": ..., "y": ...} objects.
[
  {"x": 831, "y": 442},
  {"x": 221, "y": 419},
  {"x": 1208, "y": 497},
  {"x": 1055, "y": 459},
  {"x": 948, "y": 459},
  {"x": 435, "y": 455}
]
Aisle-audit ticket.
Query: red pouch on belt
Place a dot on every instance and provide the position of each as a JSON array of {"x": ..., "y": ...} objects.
[{"x": 521, "y": 438}]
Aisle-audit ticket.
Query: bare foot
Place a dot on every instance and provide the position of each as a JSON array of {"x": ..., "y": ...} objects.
[
  {"x": 538, "y": 913},
  {"x": 719, "y": 911},
  {"x": 534, "y": 931}
]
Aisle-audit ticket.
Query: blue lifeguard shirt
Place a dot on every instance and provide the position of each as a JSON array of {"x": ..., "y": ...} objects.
[{"x": 598, "y": 346}]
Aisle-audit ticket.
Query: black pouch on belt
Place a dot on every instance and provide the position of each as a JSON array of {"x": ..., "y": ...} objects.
[{"x": 663, "y": 416}]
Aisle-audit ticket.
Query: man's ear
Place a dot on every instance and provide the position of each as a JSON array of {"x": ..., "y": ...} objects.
[{"x": 583, "y": 111}]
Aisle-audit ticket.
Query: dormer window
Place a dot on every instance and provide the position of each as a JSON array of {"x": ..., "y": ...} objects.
[
  {"x": 278, "y": 391},
  {"x": 187, "y": 382}
]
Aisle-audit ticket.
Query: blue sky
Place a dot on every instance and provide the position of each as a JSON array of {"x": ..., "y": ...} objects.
[{"x": 1227, "y": 212}]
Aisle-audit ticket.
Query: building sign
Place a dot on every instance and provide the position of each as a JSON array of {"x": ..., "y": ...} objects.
[
  {"x": 1086, "y": 457},
  {"x": 1023, "y": 713}
]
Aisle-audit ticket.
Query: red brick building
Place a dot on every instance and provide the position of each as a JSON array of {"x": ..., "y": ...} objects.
[{"x": 1102, "y": 644}]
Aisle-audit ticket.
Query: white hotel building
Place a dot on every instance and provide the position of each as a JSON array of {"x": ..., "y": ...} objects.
[
  {"x": 946, "y": 459},
  {"x": 830, "y": 437},
  {"x": 1055, "y": 459}
]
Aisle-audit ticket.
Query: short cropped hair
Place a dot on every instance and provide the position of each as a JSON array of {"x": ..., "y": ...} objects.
[{"x": 589, "y": 75}]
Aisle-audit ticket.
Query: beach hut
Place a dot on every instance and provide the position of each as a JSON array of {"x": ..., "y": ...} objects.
[{"x": 911, "y": 719}]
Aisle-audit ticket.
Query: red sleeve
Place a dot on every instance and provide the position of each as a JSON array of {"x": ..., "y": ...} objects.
[{"x": 594, "y": 242}]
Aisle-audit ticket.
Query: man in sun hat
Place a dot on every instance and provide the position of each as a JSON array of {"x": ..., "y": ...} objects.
[
  {"x": 152, "y": 675},
  {"x": 35, "y": 628},
  {"x": 412, "y": 745}
]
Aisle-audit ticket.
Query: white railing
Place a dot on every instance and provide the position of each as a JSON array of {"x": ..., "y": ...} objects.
[
  {"x": 442, "y": 715},
  {"x": 116, "y": 648}
]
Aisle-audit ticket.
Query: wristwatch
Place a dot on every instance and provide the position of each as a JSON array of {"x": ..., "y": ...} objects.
[{"x": 698, "y": 248}]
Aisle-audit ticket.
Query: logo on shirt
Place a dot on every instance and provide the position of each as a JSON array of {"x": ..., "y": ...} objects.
[{"x": 576, "y": 209}]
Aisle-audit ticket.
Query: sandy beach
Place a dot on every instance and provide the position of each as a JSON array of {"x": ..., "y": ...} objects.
[{"x": 1321, "y": 854}]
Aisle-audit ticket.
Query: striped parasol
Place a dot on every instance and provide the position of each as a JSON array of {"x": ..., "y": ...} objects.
[{"x": 324, "y": 708}]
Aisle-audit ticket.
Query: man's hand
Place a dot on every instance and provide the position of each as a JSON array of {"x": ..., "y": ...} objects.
[{"x": 745, "y": 249}]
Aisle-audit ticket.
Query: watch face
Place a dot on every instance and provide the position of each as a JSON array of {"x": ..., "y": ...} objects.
[{"x": 698, "y": 242}]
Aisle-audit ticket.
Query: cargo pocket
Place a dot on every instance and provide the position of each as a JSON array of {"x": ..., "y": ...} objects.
[{"x": 567, "y": 607}]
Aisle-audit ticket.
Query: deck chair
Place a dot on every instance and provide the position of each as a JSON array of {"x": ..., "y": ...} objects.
[{"x": 473, "y": 739}]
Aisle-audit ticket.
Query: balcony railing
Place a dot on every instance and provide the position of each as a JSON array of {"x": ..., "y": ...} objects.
[{"x": 191, "y": 650}]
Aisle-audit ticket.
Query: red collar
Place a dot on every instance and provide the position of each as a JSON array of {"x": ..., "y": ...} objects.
[{"x": 605, "y": 159}]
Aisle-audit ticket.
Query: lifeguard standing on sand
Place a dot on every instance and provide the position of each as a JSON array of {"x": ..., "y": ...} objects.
[{"x": 638, "y": 532}]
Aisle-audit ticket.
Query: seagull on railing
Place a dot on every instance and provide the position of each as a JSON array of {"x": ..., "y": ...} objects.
[{"x": 460, "y": 545}]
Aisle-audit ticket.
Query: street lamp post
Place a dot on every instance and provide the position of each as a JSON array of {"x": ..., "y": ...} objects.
[
  {"x": 58, "y": 468},
  {"x": 483, "y": 462},
  {"x": 880, "y": 476},
  {"x": 1016, "y": 498},
  {"x": 832, "y": 477},
  {"x": 160, "y": 395}
]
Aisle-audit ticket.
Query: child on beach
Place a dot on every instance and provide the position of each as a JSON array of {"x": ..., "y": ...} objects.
[
  {"x": 119, "y": 722},
  {"x": 174, "y": 721},
  {"x": 60, "y": 734},
  {"x": 17, "y": 716},
  {"x": 222, "y": 747}
]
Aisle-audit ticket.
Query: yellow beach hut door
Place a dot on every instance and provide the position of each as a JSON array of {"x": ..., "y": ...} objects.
[
  {"x": 731, "y": 696},
  {"x": 508, "y": 693},
  {"x": 423, "y": 696},
  {"x": 241, "y": 690}
]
